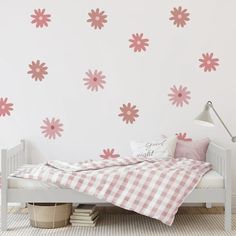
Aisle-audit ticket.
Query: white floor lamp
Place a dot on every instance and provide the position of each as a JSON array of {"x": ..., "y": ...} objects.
[{"x": 204, "y": 118}]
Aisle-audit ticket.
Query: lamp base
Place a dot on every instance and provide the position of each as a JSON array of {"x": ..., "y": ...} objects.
[{"x": 234, "y": 139}]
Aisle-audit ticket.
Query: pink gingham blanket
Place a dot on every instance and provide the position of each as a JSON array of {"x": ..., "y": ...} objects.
[{"x": 155, "y": 188}]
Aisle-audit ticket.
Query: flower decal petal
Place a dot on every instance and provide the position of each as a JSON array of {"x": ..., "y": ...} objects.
[
  {"x": 97, "y": 18},
  {"x": 109, "y": 154},
  {"x": 179, "y": 96},
  {"x": 183, "y": 137},
  {"x": 208, "y": 62},
  {"x": 40, "y": 19},
  {"x": 5, "y": 107},
  {"x": 94, "y": 80},
  {"x": 138, "y": 43},
  {"x": 52, "y": 128},
  {"x": 37, "y": 70},
  {"x": 129, "y": 113},
  {"x": 179, "y": 16}
]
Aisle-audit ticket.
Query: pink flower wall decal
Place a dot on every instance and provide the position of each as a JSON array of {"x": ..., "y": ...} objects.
[
  {"x": 138, "y": 42},
  {"x": 109, "y": 154},
  {"x": 52, "y": 128},
  {"x": 40, "y": 18},
  {"x": 5, "y": 107},
  {"x": 97, "y": 18},
  {"x": 129, "y": 113},
  {"x": 208, "y": 62},
  {"x": 183, "y": 137},
  {"x": 37, "y": 70},
  {"x": 179, "y": 96},
  {"x": 94, "y": 80},
  {"x": 179, "y": 16}
]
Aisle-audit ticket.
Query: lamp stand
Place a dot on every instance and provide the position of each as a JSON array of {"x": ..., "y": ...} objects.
[{"x": 210, "y": 104}]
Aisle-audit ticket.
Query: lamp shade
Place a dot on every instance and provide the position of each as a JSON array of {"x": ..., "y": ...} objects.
[{"x": 204, "y": 118}]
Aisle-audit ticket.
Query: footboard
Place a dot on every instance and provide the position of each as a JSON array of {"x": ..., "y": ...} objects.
[{"x": 12, "y": 158}]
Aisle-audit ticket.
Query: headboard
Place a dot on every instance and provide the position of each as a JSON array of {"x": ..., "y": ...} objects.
[{"x": 219, "y": 157}]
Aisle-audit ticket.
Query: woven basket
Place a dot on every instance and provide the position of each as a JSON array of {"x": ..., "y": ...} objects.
[{"x": 49, "y": 215}]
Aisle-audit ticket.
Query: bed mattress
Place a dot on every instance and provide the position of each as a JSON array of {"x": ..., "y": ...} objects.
[{"x": 210, "y": 180}]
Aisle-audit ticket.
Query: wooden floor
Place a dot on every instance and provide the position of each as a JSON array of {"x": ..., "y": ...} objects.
[{"x": 117, "y": 210}]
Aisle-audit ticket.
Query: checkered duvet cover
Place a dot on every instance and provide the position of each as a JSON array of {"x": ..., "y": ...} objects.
[{"x": 152, "y": 187}]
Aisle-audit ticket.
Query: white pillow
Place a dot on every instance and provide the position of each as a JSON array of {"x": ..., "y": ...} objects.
[{"x": 162, "y": 149}]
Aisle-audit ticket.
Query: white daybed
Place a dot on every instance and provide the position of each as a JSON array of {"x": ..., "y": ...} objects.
[{"x": 215, "y": 186}]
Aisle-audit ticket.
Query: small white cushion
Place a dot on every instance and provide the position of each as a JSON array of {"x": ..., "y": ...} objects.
[{"x": 162, "y": 149}]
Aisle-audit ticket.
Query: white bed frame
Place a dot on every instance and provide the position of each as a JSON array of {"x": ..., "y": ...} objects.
[{"x": 15, "y": 157}]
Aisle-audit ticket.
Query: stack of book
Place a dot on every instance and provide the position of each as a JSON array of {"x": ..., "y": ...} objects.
[{"x": 84, "y": 215}]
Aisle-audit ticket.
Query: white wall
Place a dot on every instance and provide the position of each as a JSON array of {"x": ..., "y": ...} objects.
[{"x": 70, "y": 47}]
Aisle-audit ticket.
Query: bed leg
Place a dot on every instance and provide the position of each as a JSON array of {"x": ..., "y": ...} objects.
[
  {"x": 208, "y": 205},
  {"x": 228, "y": 197},
  {"x": 228, "y": 213},
  {"x": 4, "y": 191},
  {"x": 3, "y": 215}
]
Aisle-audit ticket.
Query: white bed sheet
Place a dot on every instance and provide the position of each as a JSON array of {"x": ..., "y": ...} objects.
[{"x": 210, "y": 180}]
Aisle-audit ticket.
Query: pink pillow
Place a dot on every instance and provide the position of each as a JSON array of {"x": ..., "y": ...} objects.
[{"x": 192, "y": 149}]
